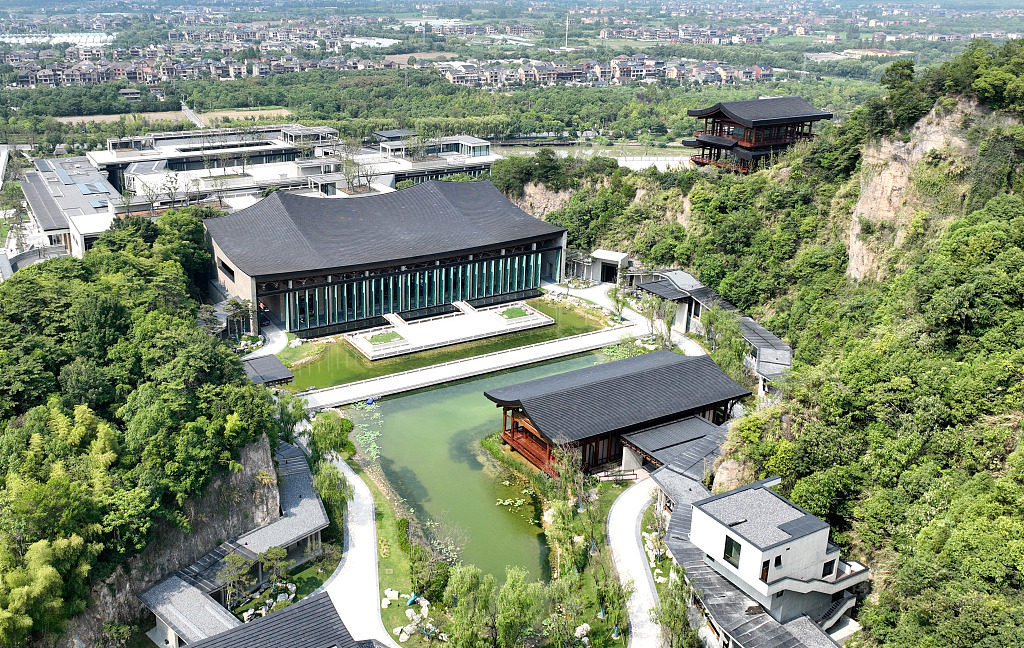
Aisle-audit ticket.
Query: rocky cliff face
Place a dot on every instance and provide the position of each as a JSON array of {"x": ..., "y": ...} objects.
[
  {"x": 887, "y": 196},
  {"x": 233, "y": 504},
  {"x": 538, "y": 200}
]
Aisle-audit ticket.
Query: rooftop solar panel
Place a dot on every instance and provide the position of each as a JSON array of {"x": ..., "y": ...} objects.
[{"x": 64, "y": 177}]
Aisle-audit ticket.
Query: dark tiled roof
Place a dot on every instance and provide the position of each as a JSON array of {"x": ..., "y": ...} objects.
[
  {"x": 286, "y": 233},
  {"x": 267, "y": 369},
  {"x": 620, "y": 396},
  {"x": 774, "y": 357},
  {"x": 715, "y": 140},
  {"x": 689, "y": 446},
  {"x": 760, "y": 515},
  {"x": 759, "y": 112},
  {"x": 313, "y": 622},
  {"x": 740, "y": 616},
  {"x": 663, "y": 288}
]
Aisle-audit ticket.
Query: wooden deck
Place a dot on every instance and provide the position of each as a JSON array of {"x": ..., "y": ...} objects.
[{"x": 533, "y": 450}]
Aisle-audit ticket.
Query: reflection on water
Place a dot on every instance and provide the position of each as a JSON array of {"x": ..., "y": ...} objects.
[
  {"x": 430, "y": 452},
  {"x": 342, "y": 364}
]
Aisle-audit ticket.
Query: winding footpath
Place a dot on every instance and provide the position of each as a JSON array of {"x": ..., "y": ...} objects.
[
  {"x": 354, "y": 588},
  {"x": 630, "y": 561}
]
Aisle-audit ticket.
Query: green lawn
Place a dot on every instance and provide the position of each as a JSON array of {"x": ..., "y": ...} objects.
[
  {"x": 514, "y": 312},
  {"x": 385, "y": 337},
  {"x": 290, "y": 355}
]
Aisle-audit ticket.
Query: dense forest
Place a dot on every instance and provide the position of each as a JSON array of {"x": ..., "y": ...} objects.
[
  {"x": 359, "y": 102},
  {"x": 115, "y": 407},
  {"x": 900, "y": 423}
]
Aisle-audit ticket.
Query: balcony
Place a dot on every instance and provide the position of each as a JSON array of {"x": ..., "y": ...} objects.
[{"x": 531, "y": 448}]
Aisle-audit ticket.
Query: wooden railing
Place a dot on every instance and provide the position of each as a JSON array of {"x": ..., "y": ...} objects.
[{"x": 534, "y": 452}]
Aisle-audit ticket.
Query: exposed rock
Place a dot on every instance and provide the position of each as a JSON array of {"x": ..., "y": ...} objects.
[
  {"x": 730, "y": 475},
  {"x": 233, "y": 504},
  {"x": 885, "y": 195},
  {"x": 538, "y": 200}
]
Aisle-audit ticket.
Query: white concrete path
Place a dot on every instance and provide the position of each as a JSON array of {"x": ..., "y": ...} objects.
[
  {"x": 277, "y": 340},
  {"x": 354, "y": 587},
  {"x": 598, "y": 294},
  {"x": 630, "y": 560},
  {"x": 458, "y": 369}
]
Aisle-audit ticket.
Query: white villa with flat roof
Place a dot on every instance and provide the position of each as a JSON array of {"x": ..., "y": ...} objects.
[
  {"x": 762, "y": 570},
  {"x": 773, "y": 550}
]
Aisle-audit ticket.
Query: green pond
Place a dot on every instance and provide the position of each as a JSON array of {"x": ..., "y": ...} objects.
[
  {"x": 430, "y": 451},
  {"x": 341, "y": 363}
]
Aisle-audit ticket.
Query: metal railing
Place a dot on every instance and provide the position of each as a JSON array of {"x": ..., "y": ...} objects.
[{"x": 463, "y": 361}]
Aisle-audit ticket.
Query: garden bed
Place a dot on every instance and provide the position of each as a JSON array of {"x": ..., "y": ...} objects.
[
  {"x": 514, "y": 312},
  {"x": 384, "y": 337}
]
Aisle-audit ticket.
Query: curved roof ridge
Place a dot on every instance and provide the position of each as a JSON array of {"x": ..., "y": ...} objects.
[
  {"x": 290, "y": 234},
  {"x": 756, "y": 112}
]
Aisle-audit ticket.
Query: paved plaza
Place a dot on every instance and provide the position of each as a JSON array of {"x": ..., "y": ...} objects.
[{"x": 467, "y": 324}]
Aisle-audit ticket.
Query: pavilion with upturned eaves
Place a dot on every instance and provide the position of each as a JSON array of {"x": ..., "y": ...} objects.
[
  {"x": 588, "y": 411},
  {"x": 740, "y": 135}
]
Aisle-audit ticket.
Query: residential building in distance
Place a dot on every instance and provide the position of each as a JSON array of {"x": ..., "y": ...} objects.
[{"x": 741, "y": 135}]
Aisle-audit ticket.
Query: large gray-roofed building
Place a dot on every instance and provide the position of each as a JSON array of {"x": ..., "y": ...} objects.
[
  {"x": 621, "y": 396},
  {"x": 287, "y": 233},
  {"x": 311, "y": 623},
  {"x": 328, "y": 266},
  {"x": 593, "y": 407}
]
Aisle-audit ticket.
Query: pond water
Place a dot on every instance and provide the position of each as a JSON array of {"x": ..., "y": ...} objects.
[
  {"x": 341, "y": 363},
  {"x": 430, "y": 451}
]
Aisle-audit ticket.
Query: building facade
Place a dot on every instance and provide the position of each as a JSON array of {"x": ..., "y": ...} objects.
[
  {"x": 589, "y": 411},
  {"x": 321, "y": 267}
]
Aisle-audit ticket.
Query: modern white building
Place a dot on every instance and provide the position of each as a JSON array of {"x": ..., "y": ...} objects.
[
  {"x": 776, "y": 552},
  {"x": 762, "y": 570},
  {"x": 70, "y": 202}
]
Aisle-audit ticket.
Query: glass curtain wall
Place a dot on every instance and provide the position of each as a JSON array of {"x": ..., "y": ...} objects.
[{"x": 306, "y": 308}]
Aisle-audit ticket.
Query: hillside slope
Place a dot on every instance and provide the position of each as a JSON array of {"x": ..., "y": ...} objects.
[{"x": 890, "y": 254}]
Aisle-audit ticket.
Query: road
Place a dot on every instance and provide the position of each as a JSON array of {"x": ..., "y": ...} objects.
[{"x": 192, "y": 117}]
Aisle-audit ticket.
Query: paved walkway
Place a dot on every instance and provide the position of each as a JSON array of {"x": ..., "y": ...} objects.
[
  {"x": 630, "y": 560},
  {"x": 354, "y": 588},
  {"x": 598, "y": 294},
  {"x": 458, "y": 369},
  {"x": 277, "y": 340}
]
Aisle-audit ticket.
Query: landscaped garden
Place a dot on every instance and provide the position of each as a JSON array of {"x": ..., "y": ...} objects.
[
  {"x": 384, "y": 337},
  {"x": 514, "y": 312},
  {"x": 341, "y": 363}
]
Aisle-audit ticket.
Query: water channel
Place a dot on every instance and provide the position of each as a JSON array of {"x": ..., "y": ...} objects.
[
  {"x": 341, "y": 363},
  {"x": 430, "y": 452}
]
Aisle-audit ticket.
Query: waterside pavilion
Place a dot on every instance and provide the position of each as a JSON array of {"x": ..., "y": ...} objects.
[
  {"x": 591, "y": 409},
  {"x": 739, "y": 135}
]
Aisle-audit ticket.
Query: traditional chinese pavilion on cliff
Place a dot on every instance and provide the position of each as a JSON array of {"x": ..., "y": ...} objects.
[{"x": 738, "y": 135}]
